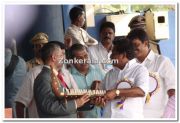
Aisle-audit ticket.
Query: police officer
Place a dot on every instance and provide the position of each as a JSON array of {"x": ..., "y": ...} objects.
[{"x": 38, "y": 41}]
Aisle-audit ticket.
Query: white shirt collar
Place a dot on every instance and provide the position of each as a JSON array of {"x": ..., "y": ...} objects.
[
  {"x": 75, "y": 27},
  {"x": 47, "y": 66},
  {"x": 62, "y": 71},
  {"x": 102, "y": 47},
  {"x": 150, "y": 57},
  {"x": 128, "y": 64},
  {"x": 115, "y": 69}
]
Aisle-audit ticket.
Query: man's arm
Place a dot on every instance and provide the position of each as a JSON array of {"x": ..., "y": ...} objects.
[
  {"x": 167, "y": 72},
  {"x": 24, "y": 96},
  {"x": 132, "y": 92},
  {"x": 50, "y": 104},
  {"x": 91, "y": 40},
  {"x": 139, "y": 89},
  {"x": 47, "y": 102},
  {"x": 75, "y": 37},
  {"x": 171, "y": 92}
]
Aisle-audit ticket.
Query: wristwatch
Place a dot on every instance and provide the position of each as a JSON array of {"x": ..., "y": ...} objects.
[{"x": 117, "y": 92}]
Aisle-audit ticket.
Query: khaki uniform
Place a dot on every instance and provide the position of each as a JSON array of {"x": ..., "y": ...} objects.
[
  {"x": 33, "y": 62},
  {"x": 39, "y": 38}
]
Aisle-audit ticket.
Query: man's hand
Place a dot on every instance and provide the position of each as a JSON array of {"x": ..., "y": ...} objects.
[
  {"x": 68, "y": 42},
  {"x": 82, "y": 100},
  {"x": 95, "y": 85},
  {"x": 110, "y": 95},
  {"x": 99, "y": 101},
  {"x": 171, "y": 92}
]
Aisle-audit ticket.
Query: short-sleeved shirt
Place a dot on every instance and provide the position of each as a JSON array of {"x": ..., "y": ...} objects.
[
  {"x": 166, "y": 71},
  {"x": 132, "y": 106},
  {"x": 80, "y": 36},
  {"x": 25, "y": 95},
  {"x": 85, "y": 82}
]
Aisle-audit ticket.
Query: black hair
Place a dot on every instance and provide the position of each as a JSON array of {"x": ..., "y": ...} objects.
[
  {"x": 47, "y": 50},
  {"x": 75, "y": 47},
  {"x": 138, "y": 33},
  {"x": 107, "y": 25},
  {"x": 75, "y": 12},
  {"x": 123, "y": 45},
  {"x": 61, "y": 45}
]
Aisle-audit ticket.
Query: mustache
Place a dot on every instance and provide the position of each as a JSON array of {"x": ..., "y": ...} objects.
[{"x": 107, "y": 37}]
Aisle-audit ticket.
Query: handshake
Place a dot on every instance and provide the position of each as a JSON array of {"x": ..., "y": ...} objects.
[
  {"x": 96, "y": 96},
  {"x": 92, "y": 98}
]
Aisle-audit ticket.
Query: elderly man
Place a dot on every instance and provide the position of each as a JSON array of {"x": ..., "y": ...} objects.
[
  {"x": 25, "y": 96},
  {"x": 85, "y": 74},
  {"x": 47, "y": 102},
  {"x": 38, "y": 41}
]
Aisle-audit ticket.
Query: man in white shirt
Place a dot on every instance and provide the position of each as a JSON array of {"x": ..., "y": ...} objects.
[
  {"x": 102, "y": 51},
  {"x": 154, "y": 63},
  {"x": 25, "y": 96},
  {"x": 75, "y": 33},
  {"x": 125, "y": 102}
]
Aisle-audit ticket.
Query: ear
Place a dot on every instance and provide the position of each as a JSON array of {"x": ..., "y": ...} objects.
[
  {"x": 146, "y": 43},
  {"x": 78, "y": 19},
  {"x": 53, "y": 57},
  {"x": 124, "y": 55}
]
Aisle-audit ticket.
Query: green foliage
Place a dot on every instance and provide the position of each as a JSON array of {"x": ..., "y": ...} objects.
[
  {"x": 104, "y": 8},
  {"x": 152, "y": 7}
]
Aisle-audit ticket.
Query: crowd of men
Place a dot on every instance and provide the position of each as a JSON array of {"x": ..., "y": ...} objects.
[{"x": 127, "y": 82}]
